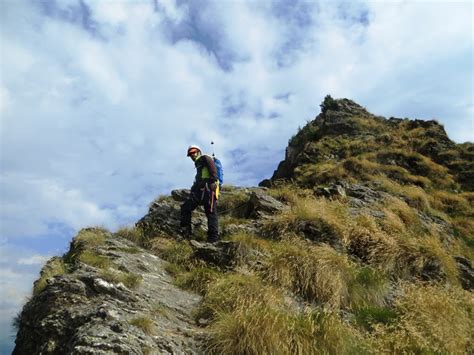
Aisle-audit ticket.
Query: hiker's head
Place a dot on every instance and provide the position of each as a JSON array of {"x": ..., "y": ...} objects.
[{"x": 194, "y": 152}]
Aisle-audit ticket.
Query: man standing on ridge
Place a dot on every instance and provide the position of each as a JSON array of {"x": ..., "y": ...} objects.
[{"x": 203, "y": 192}]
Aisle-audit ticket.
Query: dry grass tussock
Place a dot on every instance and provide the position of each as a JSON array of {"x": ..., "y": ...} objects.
[
  {"x": 425, "y": 257},
  {"x": 371, "y": 244},
  {"x": 323, "y": 275},
  {"x": 84, "y": 245},
  {"x": 404, "y": 253},
  {"x": 179, "y": 255},
  {"x": 452, "y": 204},
  {"x": 289, "y": 194},
  {"x": 54, "y": 267},
  {"x": 415, "y": 163},
  {"x": 330, "y": 217},
  {"x": 233, "y": 201},
  {"x": 133, "y": 234},
  {"x": 433, "y": 320},
  {"x": 91, "y": 237},
  {"x": 198, "y": 279},
  {"x": 249, "y": 247},
  {"x": 91, "y": 258},
  {"x": 402, "y": 211},
  {"x": 144, "y": 323},
  {"x": 252, "y": 318}
]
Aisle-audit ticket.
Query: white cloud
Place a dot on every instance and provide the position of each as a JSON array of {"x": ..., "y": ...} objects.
[
  {"x": 34, "y": 260},
  {"x": 172, "y": 10}
]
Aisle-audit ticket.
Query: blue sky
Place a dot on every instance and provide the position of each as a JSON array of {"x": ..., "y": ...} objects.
[{"x": 100, "y": 99}]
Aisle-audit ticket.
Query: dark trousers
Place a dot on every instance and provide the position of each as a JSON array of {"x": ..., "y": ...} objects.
[{"x": 208, "y": 200}]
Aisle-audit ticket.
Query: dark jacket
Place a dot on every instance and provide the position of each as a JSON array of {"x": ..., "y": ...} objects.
[{"x": 206, "y": 172}]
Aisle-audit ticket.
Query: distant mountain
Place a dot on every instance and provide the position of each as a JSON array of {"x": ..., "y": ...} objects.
[{"x": 361, "y": 242}]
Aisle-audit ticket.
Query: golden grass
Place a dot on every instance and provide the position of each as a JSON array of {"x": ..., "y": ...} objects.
[
  {"x": 249, "y": 247},
  {"x": 198, "y": 279},
  {"x": 317, "y": 273},
  {"x": 91, "y": 258},
  {"x": 464, "y": 228},
  {"x": 433, "y": 319},
  {"x": 405, "y": 253},
  {"x": 424, "y": 257},
  {"x": 309, "y": 175},
  {"x": 144, "y": 323},
  {"x": 330, "y": 217},
  {"x": 416, "y": 164},
  {"x": 289, "y": 194},
  {"x": 371, "y": 244},
  {"x": 259, "y": 329},
  {"x": 236, "y": 290},
  {"x": 453, "y": 204},
  {"x": 404, "y": 212},
  {"x": 322, "y": 275},
  {"x": 134, "y": 234},
  {"x": 175, "y": 252},
  {"x": 85, "y": 241},
  {"x": 54, "y": 267},
  {"x": 251, "y": 318},
  {"x": 91, "y": 237},
  {"x": 255, "y": 329},
  {"x": 361, "y": 168}
]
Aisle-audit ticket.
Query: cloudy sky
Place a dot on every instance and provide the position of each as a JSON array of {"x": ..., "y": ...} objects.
[{"x": 100, "y": 99}]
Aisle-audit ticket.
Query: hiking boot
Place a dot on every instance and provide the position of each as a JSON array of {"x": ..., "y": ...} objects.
[
  {"x": 212, "y": 239},
  {"x": 186, "y": 232}
]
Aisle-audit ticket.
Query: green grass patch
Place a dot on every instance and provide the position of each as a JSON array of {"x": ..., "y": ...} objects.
[
  {"x": 91, "y": 258},
  {"x": 130, "y": 250},
  {"x": 54, "y": 267},
  {"x": 369, "y": 316},
  {"x": 144, "y": 323},
  {"x": 175, "y": 252}
]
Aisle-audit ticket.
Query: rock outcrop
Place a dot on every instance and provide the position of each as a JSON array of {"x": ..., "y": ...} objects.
[{"x": 85, "y": 312}]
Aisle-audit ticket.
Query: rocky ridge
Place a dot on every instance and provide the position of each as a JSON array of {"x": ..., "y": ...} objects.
[
  {"x": 81, "y": 312},
  {"x": 351, "y": 184}
]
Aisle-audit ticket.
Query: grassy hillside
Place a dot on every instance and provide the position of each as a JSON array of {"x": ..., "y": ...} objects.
[
  {"x": 367, "y": 246},
  {"x": 372, "y": 254}
]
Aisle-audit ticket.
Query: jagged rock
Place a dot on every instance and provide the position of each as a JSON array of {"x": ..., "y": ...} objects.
[
  {"x": 81, "y": 313},
  {"x": 261, "y": 204},
  {"x": 163, "y": 218},
  {"x": 180, "y": 195},
  {"x": 265, "y": 183},
  {"x": 432, "y": 270},
  {"x": 220, "y": 254},
  {"x": 320, "y": 233},
  {"x": 466, "y": 272},
  {"x": 330, "y": 191}
]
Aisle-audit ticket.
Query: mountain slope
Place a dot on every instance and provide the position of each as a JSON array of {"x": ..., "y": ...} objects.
[{"x": 361, "y": 242}]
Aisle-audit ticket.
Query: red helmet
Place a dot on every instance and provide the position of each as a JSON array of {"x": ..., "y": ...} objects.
[{"x": 193, "y": 149}]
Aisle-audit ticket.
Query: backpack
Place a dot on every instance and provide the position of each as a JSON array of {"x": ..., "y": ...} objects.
[{"x": 220, "y": 170}]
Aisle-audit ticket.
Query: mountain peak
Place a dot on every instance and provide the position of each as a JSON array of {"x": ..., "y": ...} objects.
[{"x": 345, "y": 130}]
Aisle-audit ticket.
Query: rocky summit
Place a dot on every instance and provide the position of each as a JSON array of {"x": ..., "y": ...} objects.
[{"x": 360, "y": 242}]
